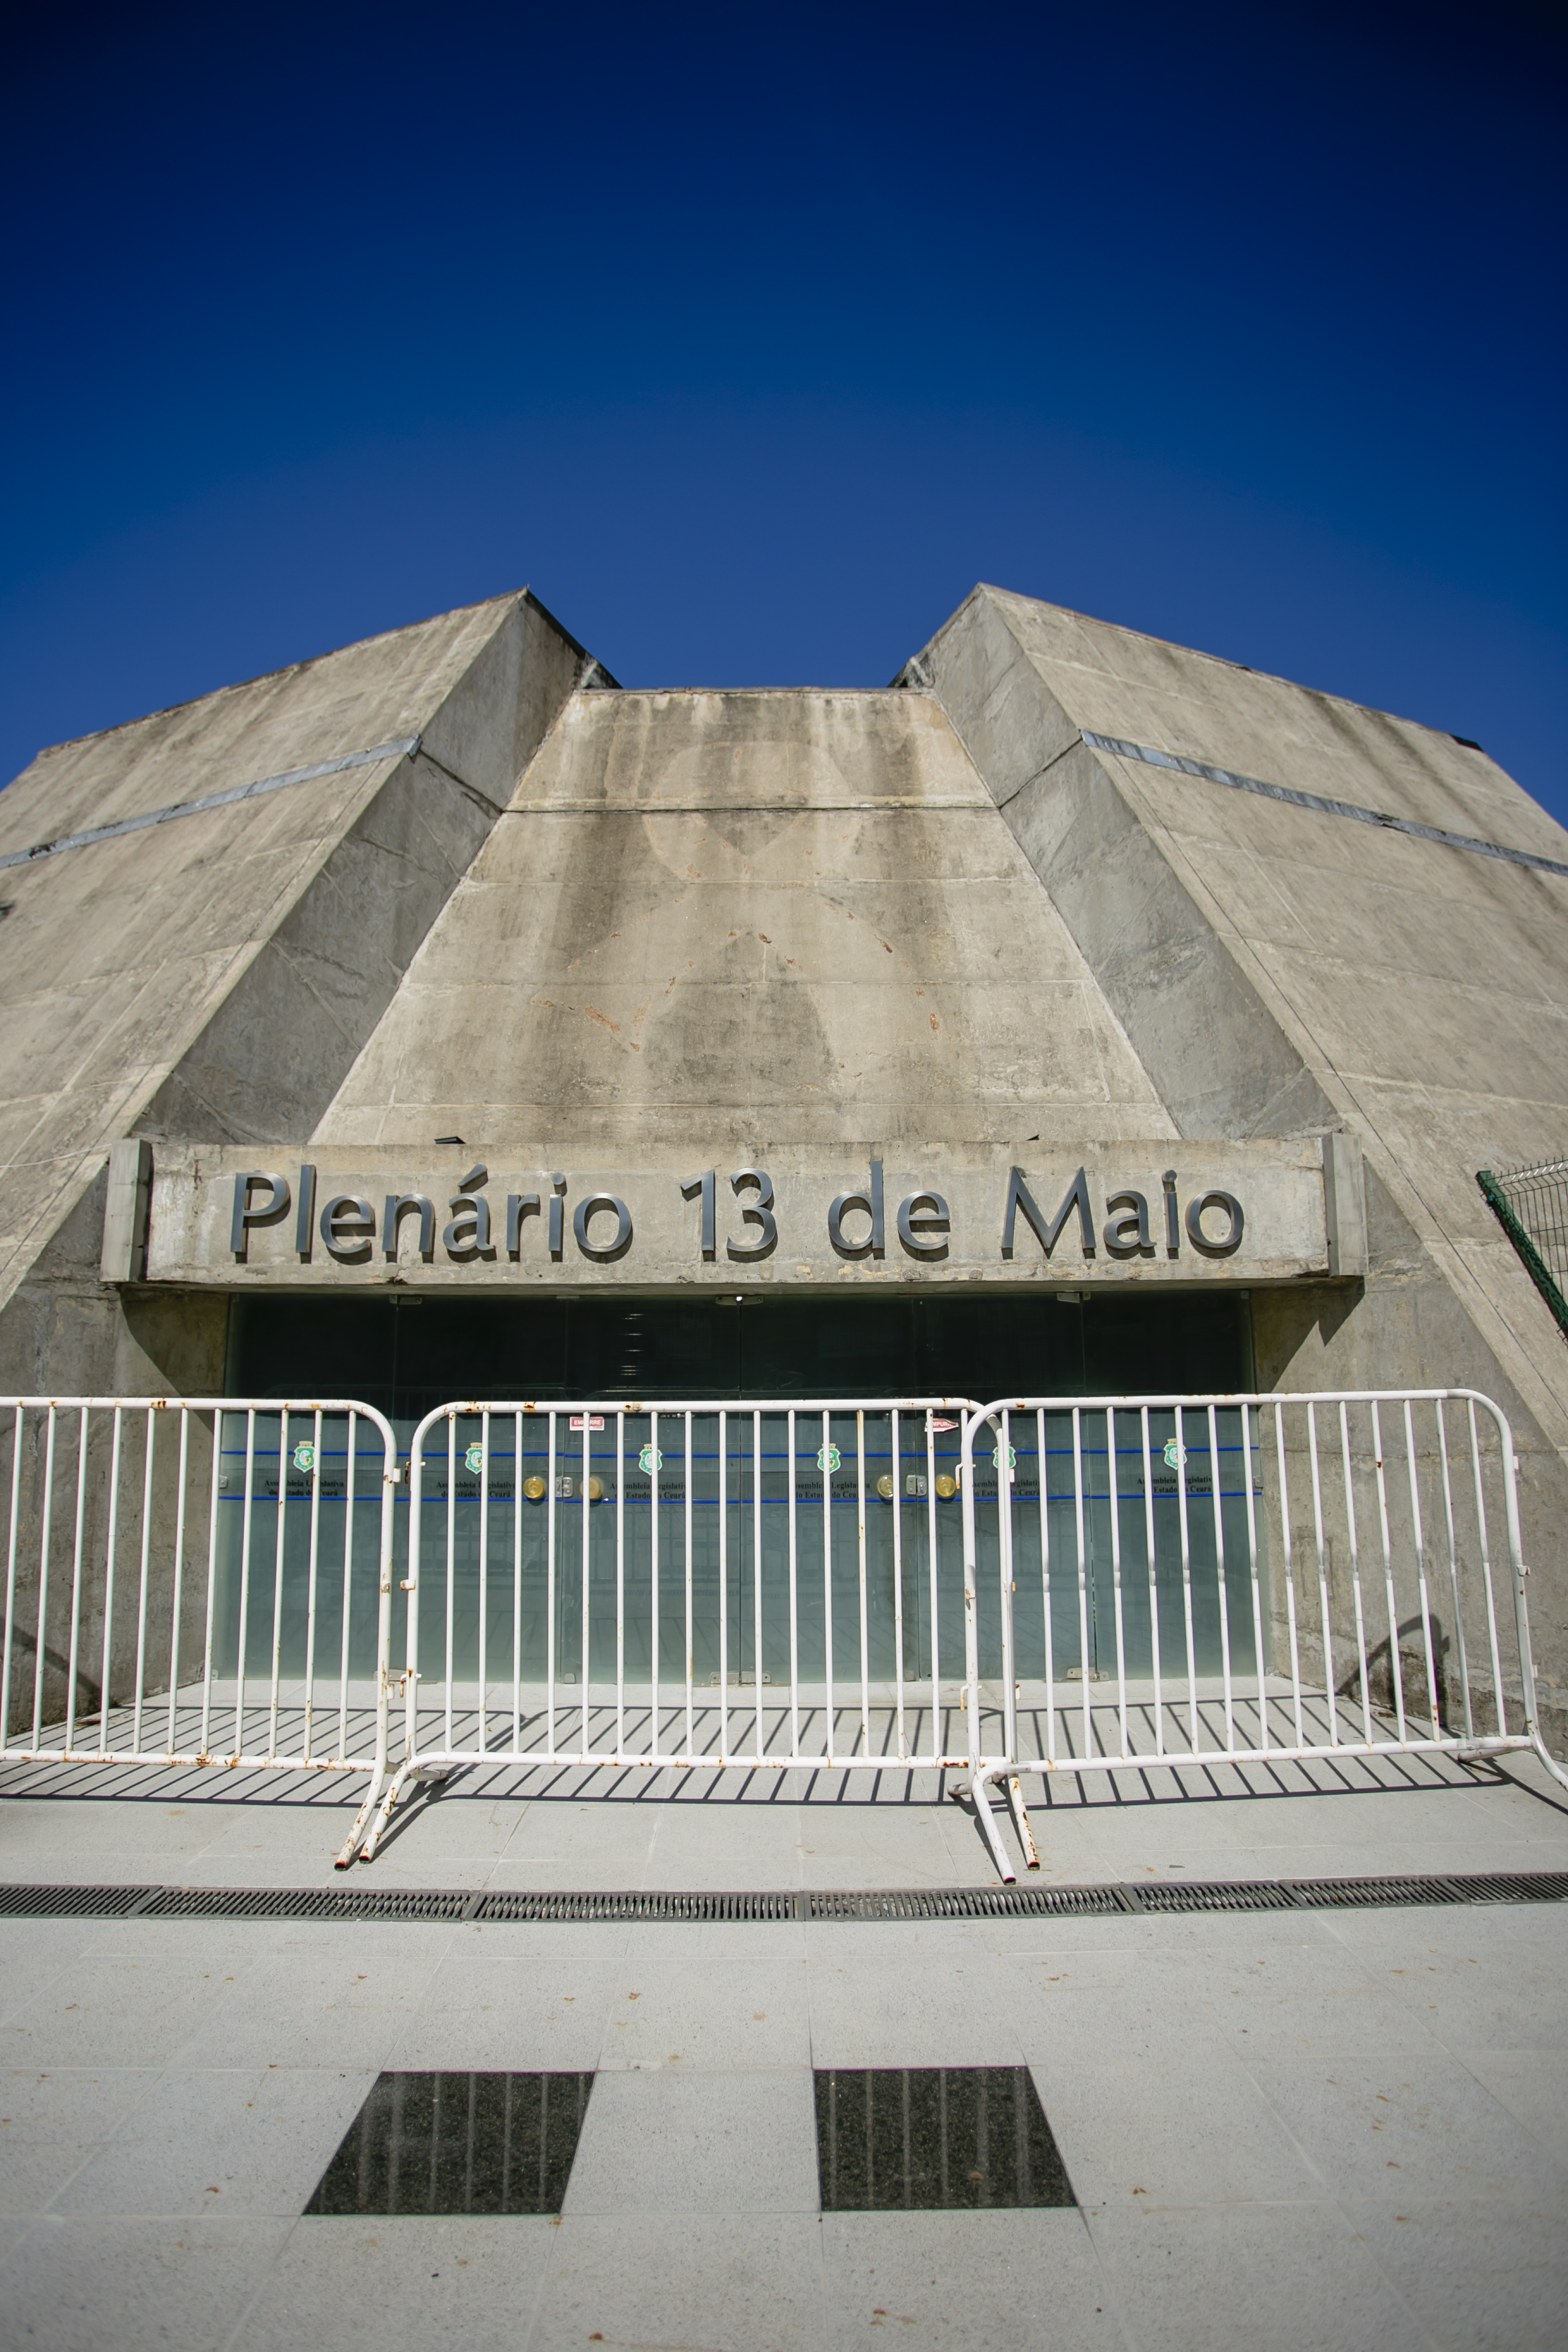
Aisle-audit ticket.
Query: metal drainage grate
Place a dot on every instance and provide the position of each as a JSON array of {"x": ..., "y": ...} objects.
[
  {"x": 636, "y": 1905},
  {"x": 1151, "y": 1895}
]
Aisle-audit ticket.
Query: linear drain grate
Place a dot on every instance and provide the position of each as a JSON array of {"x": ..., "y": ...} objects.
[
  {"x": 635, "y": 1904},
  {"x": 632, "y": 1906},
  {"x": 306, "y": 1903}
]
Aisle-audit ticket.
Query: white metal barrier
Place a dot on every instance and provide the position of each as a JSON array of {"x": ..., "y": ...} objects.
[
  {"x": 1203, "y": 1581},
  {"x": 197, "y": 1580},
  {"x": 774, "y": 1585},
  {"x": 1039, "y": 1585}
]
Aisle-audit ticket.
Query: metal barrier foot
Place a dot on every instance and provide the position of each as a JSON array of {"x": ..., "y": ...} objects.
[
  {"x": 1021, "y": 1822},
  {"x": 351, "y": 1842},
  {"x": 980, "y": 1790},
  {"x": 404, "y": 1773},
  {"x": 1549, "y": 1761}
]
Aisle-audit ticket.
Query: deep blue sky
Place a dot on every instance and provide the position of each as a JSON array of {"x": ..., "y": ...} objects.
[{"x": 752, "y": 339}]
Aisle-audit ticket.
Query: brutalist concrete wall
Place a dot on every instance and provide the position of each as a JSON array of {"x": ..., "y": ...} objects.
[
  {"x": 216, "y": 975},
  {"x": 730, "y": 921},
  {"x": 1278, "y": 971}
]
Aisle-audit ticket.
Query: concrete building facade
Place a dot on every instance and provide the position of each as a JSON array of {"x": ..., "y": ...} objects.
[{"x": 1080, "y": 1014}]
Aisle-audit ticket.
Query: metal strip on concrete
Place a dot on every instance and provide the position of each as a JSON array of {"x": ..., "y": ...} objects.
[
  {"x": 398, "y": 751},
  {"x": 810, "y": 1905},
  {"x": 1153, "y": 758}
]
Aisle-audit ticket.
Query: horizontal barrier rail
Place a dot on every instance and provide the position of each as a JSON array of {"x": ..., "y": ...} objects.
[
  {"x": 1201, "y": 1580},
  {"x": 197, "y": 1580},
  {"x": 770, "y": 1585}
]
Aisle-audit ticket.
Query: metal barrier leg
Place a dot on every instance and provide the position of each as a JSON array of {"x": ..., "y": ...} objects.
[
  {"x": 350, "y": 1845},
  {"x": 1021, "y": 1822},
  {"x": 979, "y": 1791},
  {"x": 405, "y": 1772},
  {"x": 1549, "y": 1761}
]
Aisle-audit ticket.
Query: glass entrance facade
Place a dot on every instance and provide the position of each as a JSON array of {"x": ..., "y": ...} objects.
[{"x": 695, "y": 1516}]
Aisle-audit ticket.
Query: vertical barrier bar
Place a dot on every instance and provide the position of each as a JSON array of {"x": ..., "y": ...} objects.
[
  {"x": 794, "y": 1594},
  {"x": 1354, "y": 1542},
  {"x": 1330, "y": 1691},
  {"x": 1085, "y": 1664},
  {"x": 140, "y": 1692},
  {"x": 277, "y": 1581},
  {"x": 1221, "y": 1565},
  {"x": 896, "y": 1446},
  {"x": 311, "y": 1572},
  {"x": 864, "y": 1622},
  {"x": 1289, "y": 1570},
  {"x": 1007, "y": 1580},
  {"x": 1481, "y": 1531},
  {"x": 1149, "y": 1558},
  {"x": 111, "y": 1542},
  {"x": 621, "y": 1583},
  {"x": 351, "y": 1464},
  {"x": 517, "y": 1502},
  {"x": 1113, "y": 1487},
  {"x": 1421, "y": 1598},
  {"x": 11, "y": 1589},
  {"x": 179, "y": 1585},
  {"x": 483, "y": 1662},
  {"x": 656, "y": 1459},
  {"x": 1046, "y": 1588},
  {"x": 585, "y": 1594},
  {"x": 1454, "y": 1564},
  {"x": 44, "y": 1581},
  {"x": 548, "y": 1592},
  {"x": 723, "y": 1584},
  {"x": 74, "y": 1645},
  {"x": 757, "y": 1572},
  {"x": 1256, "y": 1579},
  {"x": 933, "y": 1551},
  {"x": 691, "y": 1630},
  {"x": 1187, "y": 1542},
  {"x": 212, "y": 1576},
  {"x": 451, "y": 1565},
  {"x": 1395, "y": 1674}
]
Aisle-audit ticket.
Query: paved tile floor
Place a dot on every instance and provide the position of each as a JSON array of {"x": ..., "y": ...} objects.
[{"x": 1286, "y": 2132}]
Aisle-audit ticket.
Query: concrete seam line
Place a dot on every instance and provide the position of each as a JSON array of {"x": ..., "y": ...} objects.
[
  {"x": 1316, "y": 800},
  {"x": 402, "y": 749}
]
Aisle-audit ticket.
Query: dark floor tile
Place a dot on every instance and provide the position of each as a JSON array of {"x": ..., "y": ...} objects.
[
  {"x": 900, "y": 2138},
  {"x": 458, "y": 2144}
]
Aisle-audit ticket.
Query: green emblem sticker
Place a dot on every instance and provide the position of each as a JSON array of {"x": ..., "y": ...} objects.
[
  {"x": 829, "y": 1459},
  {"x": 474, "y": 1459},
  {"x": 1175, "y": 1453},
  {"x": 1012, "y": 1458},
  {"x": 304, "y": 1456},
  {"x": 650, "y": 1459}
]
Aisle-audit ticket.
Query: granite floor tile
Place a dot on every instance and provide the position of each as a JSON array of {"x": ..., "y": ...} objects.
[
  {"x": 1174, "y": 2134},
  {"x": 1026, "y": 2281},
  {"x": 1533, "y": 2084},
  {"x": 699, "y": 2280},
  {"x": 126, "y": 2012},
  {"x": 666, "y": 2141},
  {"x": 51, "y": 2122},
  {"x": 364, "y": 2285},
  {"x": 77, "y": 2284},
  {"x": 516, "y": 2014},
  {"x": 248, "y": 2142},
  {"x": 1403, "y": 2126},
  {"x": 1480, "y": 2277},
  {"x": 870, "y": 2011},
  {"x": 1250, "y": 2278}
]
